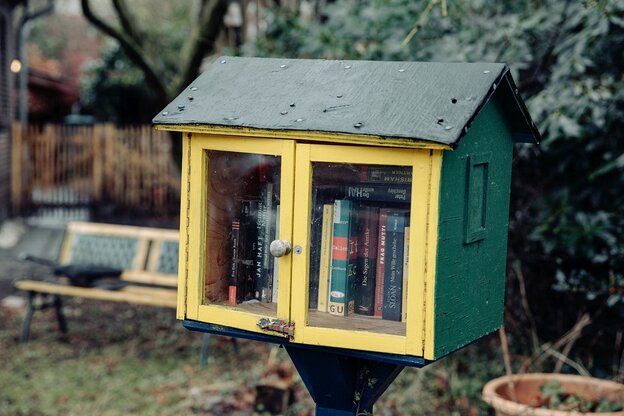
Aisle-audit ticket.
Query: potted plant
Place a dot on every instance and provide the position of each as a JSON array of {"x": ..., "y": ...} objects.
[{"x": 539, "y": 394}]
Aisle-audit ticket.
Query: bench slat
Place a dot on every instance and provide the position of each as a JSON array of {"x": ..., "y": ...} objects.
[{"x": 146, "y": 296}]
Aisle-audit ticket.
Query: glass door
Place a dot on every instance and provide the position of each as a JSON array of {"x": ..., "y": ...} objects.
[
  {"x": 243, "y": 202},
  {"x": 355, "y": 270}
]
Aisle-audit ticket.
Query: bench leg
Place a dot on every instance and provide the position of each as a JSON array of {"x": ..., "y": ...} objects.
[
  {"x": 205, "y": 348},
  {"x": 60, "y": 317},
  {"x": 28, "y": 318}
]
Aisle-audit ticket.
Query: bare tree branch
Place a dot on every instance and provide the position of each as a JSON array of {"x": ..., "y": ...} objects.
[
  {"x": 202, "y": 41},
  {"x": 128, "y": 24},
  {"x": 131, "y": 50}
]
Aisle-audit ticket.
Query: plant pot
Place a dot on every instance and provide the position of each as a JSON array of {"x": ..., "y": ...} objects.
[{"x": 527, "y": 392}]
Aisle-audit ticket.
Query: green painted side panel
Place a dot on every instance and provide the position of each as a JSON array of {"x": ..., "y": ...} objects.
[{"x": 472, "y": 233}]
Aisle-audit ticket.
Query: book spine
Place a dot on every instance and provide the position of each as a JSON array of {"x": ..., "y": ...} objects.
[
  {"x": 379, "y": 193},
  {"x": 385, "y": 174},
  {"x": 393, "y": 276},
  {"x": 260, "y": 247},
  {"x": 406, "y": 243},
  {"x": 344, "y": 257},
  {"x": 381, "y": 262},
  {"x": 325, "y": 260},
  {"x": 232, "y": 284},
  {"x": 269, "y": 232},
  {"x": 367, "y": 261},
  {"x": 315, "y": 252},
  {"x": 275, "y": 259},
  {"x": 247, "y": 250}
]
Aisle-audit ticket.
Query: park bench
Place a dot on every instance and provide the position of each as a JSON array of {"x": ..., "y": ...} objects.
[{"x": 147, "y": 259}]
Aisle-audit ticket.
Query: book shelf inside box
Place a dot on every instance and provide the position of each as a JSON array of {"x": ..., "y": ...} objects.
[
  {"x": 356, "y": 270},
  {"x": 237, "y": 185},
  {"x": 355, "y": 322}
]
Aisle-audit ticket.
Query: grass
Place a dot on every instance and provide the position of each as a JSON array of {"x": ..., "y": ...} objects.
[{"x": 126, "y": 360}]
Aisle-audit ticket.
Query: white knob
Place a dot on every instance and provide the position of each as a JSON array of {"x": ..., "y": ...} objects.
[{"x": 279, "y": 248}]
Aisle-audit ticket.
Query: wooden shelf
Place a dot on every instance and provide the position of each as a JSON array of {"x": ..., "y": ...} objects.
[{"x": 355, "y": 323}]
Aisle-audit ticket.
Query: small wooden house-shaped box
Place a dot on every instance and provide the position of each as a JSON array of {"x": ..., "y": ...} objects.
[{"x": 347, "y": 204}]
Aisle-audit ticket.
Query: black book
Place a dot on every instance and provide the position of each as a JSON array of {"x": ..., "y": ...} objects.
[
  {"x": 379, "y": 192},
  {"x": 245, "y": 276},
  {"x": 367, "y": 260},
  {"x": 393, "y": 272}
]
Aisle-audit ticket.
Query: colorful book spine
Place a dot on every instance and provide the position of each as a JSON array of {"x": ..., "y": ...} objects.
[
  {"x": 379, "y": 192},
  {"x": 367, "y": 261},
  {"x": 381, "y": 262},
  {"x": 405, "y": 274},
  {"x": 393, "y": 276},
  {"x": 232, "y": 284},
  {"x": 344, "y": 259},
  {"x": 325, "y": 259},
  {"x": 385, "y": 174}
]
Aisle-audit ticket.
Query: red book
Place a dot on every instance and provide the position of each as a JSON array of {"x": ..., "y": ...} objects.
[{"x": 381, "y": 262}]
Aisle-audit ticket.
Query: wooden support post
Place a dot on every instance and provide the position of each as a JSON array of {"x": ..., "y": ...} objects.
[{"x": 16, "y": 168}]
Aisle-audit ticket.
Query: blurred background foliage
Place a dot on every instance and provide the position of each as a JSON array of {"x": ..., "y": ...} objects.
[{"x": 566, "y": 253}]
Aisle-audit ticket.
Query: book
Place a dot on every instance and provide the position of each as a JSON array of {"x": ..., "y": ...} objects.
[
  {"x": 379, "y": 192},
  {"x": 246, "y": 250},
  {"x": 265, "y": 232},
  {"x": 275, "y": 259},
  {"x": 385, "y": 174},
  {"x": 406, "y": 242},
  {"x": 325, "y": 260},
  {"x": 232, "y": 284},
  {"x": 344, "y": 259},
  {"x": 367, "y": 261},
  {"x": 393, "y": 270},
  {"x": 321, "y": 195},
  {"x": 381, "y": 262},
  {"x": 266, "y": 195}
]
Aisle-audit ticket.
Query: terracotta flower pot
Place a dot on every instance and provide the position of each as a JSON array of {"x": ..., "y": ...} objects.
[{"x": 527, "y": 388}]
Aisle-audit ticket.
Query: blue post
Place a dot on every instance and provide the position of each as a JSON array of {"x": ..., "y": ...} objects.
[
  {"x": 341, "y": 382},
  {"x": 342, "y": 385}
]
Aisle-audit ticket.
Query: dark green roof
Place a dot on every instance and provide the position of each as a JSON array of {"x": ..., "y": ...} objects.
[{"x": 429, "y": 101}]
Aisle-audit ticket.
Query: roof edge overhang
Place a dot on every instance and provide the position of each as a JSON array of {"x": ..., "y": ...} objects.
[{"x": 312, "y": 136}]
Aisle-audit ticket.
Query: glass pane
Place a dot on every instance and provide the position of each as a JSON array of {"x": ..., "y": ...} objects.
[
  {"x": 242, "y": 218},
  {"x": 359, "y": 239}
]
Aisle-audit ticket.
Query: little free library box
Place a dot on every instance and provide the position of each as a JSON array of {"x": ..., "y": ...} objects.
[{"x": 350, "y": 205}]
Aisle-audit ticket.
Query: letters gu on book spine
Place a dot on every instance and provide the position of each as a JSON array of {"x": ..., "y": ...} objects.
[{"x": 344, "y": 258}]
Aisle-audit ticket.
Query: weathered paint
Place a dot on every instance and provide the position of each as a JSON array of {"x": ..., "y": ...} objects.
[
  {"x": 184, "y": 227},
  {"x": 470, "y": 276},
  {"x": 196, "y": 307},
  {"x": 312, "y": 136}
]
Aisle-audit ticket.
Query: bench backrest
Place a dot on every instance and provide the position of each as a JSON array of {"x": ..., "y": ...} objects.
[{"x": 139, "y": 251}]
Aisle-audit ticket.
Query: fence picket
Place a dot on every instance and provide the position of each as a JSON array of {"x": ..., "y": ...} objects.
[{"x": 67, "y": 166}]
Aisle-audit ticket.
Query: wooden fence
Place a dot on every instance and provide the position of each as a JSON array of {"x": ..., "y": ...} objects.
[{"x": 99, "y": 167}]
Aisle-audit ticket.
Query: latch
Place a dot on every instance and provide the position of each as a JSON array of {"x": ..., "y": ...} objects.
[{"x": 282, "y": 327}]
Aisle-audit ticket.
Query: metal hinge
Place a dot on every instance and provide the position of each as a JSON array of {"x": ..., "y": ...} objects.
[{"x": 282, "y": 327}]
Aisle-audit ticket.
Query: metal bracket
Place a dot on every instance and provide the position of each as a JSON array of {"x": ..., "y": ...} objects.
[{"x": 282, "y": 327}]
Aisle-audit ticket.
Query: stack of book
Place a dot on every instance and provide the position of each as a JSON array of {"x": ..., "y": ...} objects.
[
  {"x": 363, "y": 245},
  {"x": 253, "y": 272}
]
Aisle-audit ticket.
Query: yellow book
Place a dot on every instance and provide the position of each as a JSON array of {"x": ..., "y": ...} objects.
[{"x": 325, "y": 262}]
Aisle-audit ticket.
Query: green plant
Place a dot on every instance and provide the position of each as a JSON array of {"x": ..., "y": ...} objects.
[{"x": 556, "y": 398}]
